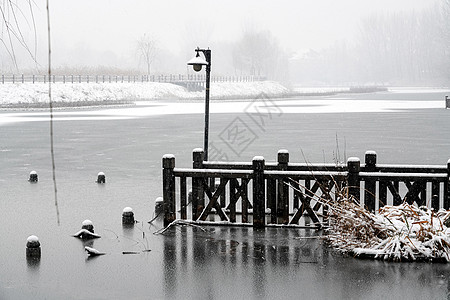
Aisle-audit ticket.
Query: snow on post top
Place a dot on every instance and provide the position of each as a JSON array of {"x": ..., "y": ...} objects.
[
  {"x": 258, "y": 158},
  {"x": 371, "y": 152},
  {"x": 127, "y": 209},
  {"x": 33, "y": 173},
  {"x": 283, "y": 151},
  {"x": 86, "y": 223},
  {"x": 168, "y": 156},
  {"x": 32, "y": 239},
  {"x": 101, "y": 174},
  {"x": 353, "y": 159},
  {"x": 198, "y": 150}
]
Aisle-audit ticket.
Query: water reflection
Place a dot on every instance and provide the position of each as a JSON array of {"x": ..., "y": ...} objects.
[
  {"x": 33, "y": 264},
  {"x": 237, "y": 260},
  {"x": 226, "y": 262},
  {"x": 170, "y": 267}
]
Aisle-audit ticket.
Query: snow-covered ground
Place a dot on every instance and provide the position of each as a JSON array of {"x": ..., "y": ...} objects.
[{"x": 28, "y": 93}]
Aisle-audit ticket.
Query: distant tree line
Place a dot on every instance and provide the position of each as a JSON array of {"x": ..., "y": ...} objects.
[
  {"x": 395, "y": 48},
  {"x": 258, "y": 53}
]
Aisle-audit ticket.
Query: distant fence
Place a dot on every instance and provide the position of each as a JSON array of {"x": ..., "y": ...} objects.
[
  {"x": 283, "y": 192},
  {"x": 172, "y": 78}
]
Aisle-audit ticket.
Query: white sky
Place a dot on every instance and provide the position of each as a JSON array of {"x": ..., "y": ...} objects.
[{"x": 114, "y": 25}]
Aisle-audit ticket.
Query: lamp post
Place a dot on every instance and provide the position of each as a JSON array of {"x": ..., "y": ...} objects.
[{"x": 197, "y": 63}]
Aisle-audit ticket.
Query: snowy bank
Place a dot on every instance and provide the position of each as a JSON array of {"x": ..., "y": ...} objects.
[{"x": 28, "y": 94}]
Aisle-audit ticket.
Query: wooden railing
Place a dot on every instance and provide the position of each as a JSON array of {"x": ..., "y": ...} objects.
[{"x": 282, "y": 192}]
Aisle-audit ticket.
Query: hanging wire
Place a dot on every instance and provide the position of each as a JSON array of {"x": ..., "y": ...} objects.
[{"x": 51, "y": 113}]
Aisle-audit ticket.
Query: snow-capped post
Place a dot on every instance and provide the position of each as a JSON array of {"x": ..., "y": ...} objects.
[
  {"x": 127, "y": 216},
  {"x": 168, "y": 164},
  {"x": 88, "y": 225},
  {"x": 353, "y": 166},
  {"x": 198, "y": 195},
  {"x": 447, "y": 102},
  {"x": 259, "y": 197},
  {"x": 33, "y": 247},
  {"x": 159, "y": 205},
  {"x": 370, "y": 184},
  {"x": 283, "y": 189},
  {"x": 33, "y": 177},
  {"x": 101, "y": 178}
]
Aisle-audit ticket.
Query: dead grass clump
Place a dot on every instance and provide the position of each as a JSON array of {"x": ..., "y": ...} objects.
[{"x": 397, "y": 233}]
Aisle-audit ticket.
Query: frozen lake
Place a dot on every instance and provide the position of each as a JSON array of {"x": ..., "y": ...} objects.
[{"x": 403, "y": 126}]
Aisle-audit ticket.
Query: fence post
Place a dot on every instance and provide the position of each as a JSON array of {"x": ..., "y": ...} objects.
[
  {"x": 198, "y": 195},
  {"x": 447, "y": 102},
  {"x": 353, "y": 166},
  {"x": 283, "y": 189},
  {"x": 168, "y": 164},
  {"x": 14, "y": 78},
  {"x": 370, "y": 184},
  {"x": 259, "y": 205},
  {"x": 446, "y": 203}
]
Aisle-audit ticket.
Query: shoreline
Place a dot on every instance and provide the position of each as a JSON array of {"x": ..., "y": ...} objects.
[{"x": 270, "y": 90}]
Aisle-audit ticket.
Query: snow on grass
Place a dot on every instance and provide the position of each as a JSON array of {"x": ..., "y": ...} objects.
[
  {"x": 28, "y": 93},
  {"x": 397, "y": 233}
]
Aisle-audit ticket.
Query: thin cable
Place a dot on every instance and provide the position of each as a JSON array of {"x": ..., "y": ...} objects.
[{"x": 51, "y": 112}]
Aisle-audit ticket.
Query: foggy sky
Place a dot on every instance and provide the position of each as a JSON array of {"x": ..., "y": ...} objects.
[{"x": 112, "y": 27}]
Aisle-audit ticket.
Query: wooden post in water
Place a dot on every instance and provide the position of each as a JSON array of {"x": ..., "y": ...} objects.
[
  {"x": 370, "y": 184},
  {"x": 198, "y": 195},
  {"x": 354, "y": 166},
  {"x": 283, "y": 189},
  {"x": 272, "y": 199},
  {"x": 168, "y": 164},
  {"x": 259, "y": 197}
]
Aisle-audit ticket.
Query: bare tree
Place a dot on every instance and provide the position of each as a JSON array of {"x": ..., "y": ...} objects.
[
  {"x": 146, "y": 48},
  {"x": 14, "y": 17},
  {"x": 258, "y": 53}
]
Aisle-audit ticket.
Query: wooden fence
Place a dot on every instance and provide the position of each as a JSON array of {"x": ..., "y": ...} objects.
[
  {"x": 282, "y": 192},
  {"x": 170, "y": 78}
]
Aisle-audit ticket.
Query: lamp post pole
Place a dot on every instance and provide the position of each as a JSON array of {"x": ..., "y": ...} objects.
[
  {"x": 197, "y": 62},
  {"x": 207, "y": 54}
]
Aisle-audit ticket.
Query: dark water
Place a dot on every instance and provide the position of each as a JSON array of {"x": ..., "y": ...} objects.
[{"x": 187, "y": 263}]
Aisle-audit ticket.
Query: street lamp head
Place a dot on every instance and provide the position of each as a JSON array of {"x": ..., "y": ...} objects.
[{"x": 197, "y": 63}]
